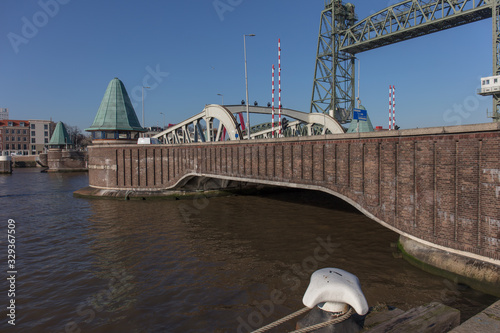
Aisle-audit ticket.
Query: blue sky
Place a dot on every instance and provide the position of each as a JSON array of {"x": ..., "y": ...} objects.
[{"x": 188, "y": 53}]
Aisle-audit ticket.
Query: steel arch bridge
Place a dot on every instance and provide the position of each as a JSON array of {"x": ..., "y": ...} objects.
[
  {"x": 218, "y": 123},
  {"x": 341, "y": 37}
]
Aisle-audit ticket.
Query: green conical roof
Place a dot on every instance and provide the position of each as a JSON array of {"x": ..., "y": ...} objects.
[
  {"x": 364, "y": 126},
  {"x": 60, "y": 137},
  {"x": 116, "y": 111}
]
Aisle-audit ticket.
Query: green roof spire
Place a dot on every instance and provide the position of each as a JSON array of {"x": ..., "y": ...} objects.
[
  {"x": 60, "y": 137},
  {"x": 116, "y": 112}
]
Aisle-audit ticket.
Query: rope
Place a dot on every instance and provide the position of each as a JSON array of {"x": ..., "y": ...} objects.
[
  {"x": 305, "y": 329},
  {"x": 281, "y": 321},
  {"x": 326, "y": 323}
]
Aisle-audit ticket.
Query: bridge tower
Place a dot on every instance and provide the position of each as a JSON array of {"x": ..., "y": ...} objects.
[{"x": 334, "y": 76}]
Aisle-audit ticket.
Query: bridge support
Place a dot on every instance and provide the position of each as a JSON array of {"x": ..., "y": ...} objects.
[
  {"x": 478, "y": 274},
  {"x": 333, "y": 87}
]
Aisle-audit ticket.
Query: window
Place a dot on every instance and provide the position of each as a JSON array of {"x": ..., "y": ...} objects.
[
  {"x": 21, "y": 124},
  {"x": 11, "y": 123},
  {"x": 45, "y": 126},
  {"x": 25, "y": 146},
  {"x": 7, "y": 138},
  {"x": 495, "y": 81},
  {"x": 25, "y": 139},
  {"x": 7, "y": 146},
  {"x": 33, "y": 133},
  {"x": 25, "y": 132},
  {"x": 33, "y": 148},
  {"x": 33, "y": 140},
  {"x": 32, "y": 126},
  {"x": 18, "y": 131},
  {"x": 46, "y": 133},
  {"x": 46, "y": 140},
  {"x": 6, "y": 131},
  {"x": 487, "y": 81},
  {"x": 18, "y": 146},
  {"x": 19, "y": 138},
  {"x": 12, "y": 138}
]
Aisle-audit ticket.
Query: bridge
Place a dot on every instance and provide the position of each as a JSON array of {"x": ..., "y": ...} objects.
[
  {"x": 219, "y": 123},
  {"x": 342, "y": 36},
  {"x": 438, "y": 186}
]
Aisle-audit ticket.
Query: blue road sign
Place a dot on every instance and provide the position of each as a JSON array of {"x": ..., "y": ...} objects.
[{"x": 360, "y": 115}]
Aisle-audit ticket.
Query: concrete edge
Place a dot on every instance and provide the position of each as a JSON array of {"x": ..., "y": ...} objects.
[
  {"x": 477, "y": 274},
  {"x": 487, "y": 320}
]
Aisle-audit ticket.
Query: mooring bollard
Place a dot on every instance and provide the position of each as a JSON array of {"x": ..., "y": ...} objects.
[{"x": 331, "y": 294}]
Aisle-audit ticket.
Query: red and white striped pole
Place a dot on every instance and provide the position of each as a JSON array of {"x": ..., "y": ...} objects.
[
  {"x": 273, "y": 106},
  {"x": 390, "y": 108},
  {"x": 394, "y": 107},
  {"x": 279, "y": 85}
]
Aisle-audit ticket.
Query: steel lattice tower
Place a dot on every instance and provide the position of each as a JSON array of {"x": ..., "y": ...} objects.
[
  {"x": 334, "y": 75},
  {"x": 496, "y": 51}
]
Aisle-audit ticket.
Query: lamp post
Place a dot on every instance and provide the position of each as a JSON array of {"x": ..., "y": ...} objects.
[
  {"x": 143, "y": 125},
  {"x": 246, "y": 80},
  {"x": 163, "y": 120},
  {"x": 222, "y": 98}
]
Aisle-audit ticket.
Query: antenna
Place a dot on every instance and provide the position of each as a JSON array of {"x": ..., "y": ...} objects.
[
  {"x": 279, "y": 84},
  {"x": 273, "y": 106}
]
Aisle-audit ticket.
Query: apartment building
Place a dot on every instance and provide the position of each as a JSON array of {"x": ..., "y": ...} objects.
[
  {"x": 40, "y": 133},
  {"x": 14, "y": 137}
]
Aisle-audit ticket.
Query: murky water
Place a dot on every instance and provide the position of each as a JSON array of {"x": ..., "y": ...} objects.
[{"x": 204, "y": 265}]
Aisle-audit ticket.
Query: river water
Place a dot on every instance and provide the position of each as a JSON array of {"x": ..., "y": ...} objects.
[{"x": 223, "y": 264}]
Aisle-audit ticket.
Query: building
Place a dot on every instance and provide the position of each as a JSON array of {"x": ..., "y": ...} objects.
[
  {"x": 116, "y": 120},
  {"x": 14, "y": 137},
  {"x": 4, "y": 114},
  {"x": 40, "y": 134},
  {"x": 60, "y": 138}
]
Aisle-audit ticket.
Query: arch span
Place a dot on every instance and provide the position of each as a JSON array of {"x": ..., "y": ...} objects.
[{"x": 200, "y": 128}]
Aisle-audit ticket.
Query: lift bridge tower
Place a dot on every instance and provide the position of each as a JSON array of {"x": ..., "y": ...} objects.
[
  {"x": 341, "y": 37},
  {"x": 334, "y": 77}
]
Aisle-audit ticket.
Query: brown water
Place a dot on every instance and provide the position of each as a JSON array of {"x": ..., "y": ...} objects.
[{"x": 204, "y": 265}]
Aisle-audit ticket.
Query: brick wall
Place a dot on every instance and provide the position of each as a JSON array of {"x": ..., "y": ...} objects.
[
  {"x": 440, "y": 185},
  {"x": 66, "y": 160}
]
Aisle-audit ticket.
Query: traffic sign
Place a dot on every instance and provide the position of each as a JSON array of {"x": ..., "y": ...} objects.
[{"x": 360, "y": 115}]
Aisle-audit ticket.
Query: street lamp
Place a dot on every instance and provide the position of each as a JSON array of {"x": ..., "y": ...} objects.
[
  {"x": 246, "y": 80},
  {"x": 143, "y": 125},
  {"x": 163, "y": 120},
  {"x": 222, "y": 98}
]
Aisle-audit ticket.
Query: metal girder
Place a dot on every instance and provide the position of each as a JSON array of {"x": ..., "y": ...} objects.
[
  {"x": 340, "y": 38},
  {"x": 328, "y": 124},
  {"x": 333, "y": 88},
  {"x": 191, "y": 130},
  {"x": 410, "y": 19}
]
